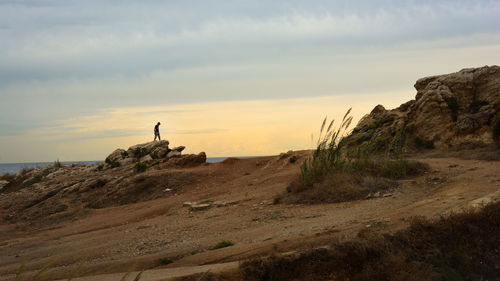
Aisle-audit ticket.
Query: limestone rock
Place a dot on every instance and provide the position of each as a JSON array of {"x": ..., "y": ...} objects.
[
  {"x": 179, "y": 148},
  {"x": 116, "y": 155},
  {"x": 146, "y": 158},
  {"x": 448, "y": 111},
  {"x": 140, "y": 150},
  {"x": 188, "y": 160},
  {"x": 173, "y": 153},
  {"x": 200, "y": 207},
  {"x": 126, "y": 161},
  {"x": 159, "y": 152}
]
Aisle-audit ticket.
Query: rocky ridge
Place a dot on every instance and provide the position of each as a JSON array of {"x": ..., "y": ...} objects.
[
  {"x": 449, "y": 111},
  {"x": 54, "y": 191}
]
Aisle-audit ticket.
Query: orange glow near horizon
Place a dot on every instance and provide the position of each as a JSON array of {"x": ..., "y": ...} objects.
[{"x": 237, "y": 128}]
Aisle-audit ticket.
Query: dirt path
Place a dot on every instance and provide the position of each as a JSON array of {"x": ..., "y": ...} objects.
[{"x": 111, "y": 240}]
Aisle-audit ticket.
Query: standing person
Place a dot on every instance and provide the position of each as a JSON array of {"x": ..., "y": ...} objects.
[{"x": 157, "y": 131}]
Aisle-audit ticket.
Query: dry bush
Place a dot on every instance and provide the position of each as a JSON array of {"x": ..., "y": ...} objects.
[
  {"x": 335, "y": 188},
  {"x": 458, "y": 247}
]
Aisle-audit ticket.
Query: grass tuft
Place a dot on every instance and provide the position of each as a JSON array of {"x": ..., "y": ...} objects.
[
  {"x": 140, "y": 167},
  {"x": 223, "y": 244},
  {"x": 166, "y": 261}
]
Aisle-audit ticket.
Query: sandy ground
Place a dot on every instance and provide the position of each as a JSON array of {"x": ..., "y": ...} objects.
[{"x": 113, "y": 240}]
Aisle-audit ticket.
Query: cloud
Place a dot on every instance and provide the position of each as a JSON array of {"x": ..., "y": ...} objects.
[
  {"x": 65, "y": 66},
  {"x": 112, "y": 38}
]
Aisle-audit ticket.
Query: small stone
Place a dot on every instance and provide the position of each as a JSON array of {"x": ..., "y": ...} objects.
[{"x": 200, "y": 207}]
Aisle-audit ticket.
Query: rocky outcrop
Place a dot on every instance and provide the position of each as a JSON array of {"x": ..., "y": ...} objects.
[
  {"x": 448, "y": 111},
  {"x": 145, "y": 152},
  {"x": 188, "y": 160}
]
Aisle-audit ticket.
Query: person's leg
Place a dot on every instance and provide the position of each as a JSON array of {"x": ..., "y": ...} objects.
[{"x": 159, "y": 137}]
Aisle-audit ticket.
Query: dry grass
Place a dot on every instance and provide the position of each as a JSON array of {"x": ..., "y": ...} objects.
[
  {"x": 338, "y": 186},
  {"x": 459, "y": 247},
  {"x": 335, "y": 188},
  {"x": 335, "y": 174}
]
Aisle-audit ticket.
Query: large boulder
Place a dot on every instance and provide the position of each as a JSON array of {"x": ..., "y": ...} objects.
[
  {"x": 448, "y": 111},
  {"x": 116, "y": 156},
  {"x": 143, "y": 149}
]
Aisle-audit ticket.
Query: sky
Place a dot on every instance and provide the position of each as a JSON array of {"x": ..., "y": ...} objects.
[{"x": 79, "y": 79}]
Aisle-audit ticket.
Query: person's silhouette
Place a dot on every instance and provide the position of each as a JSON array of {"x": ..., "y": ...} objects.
[{"x": 157, "y": 131}]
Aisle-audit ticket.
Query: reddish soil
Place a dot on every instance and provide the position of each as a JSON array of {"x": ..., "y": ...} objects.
[{"x": 113, "y": 239}]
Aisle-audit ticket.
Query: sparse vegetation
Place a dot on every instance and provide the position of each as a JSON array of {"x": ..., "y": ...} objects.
[
  {"x": 223, "y": 244},
  {"x": 333, "y": 174},
  {"x": 166, "y": 261},
  {"x": 458, "y": 247},
  {"x": 140, "y": 167},
  {"x": 114, "y": 164}
]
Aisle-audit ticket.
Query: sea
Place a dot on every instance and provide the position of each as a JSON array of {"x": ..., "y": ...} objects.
[{"x": 12, "y": 168}]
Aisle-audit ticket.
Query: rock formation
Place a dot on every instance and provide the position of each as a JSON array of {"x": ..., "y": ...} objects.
[
  {"x": 145, "y": 152},
  {"x": 449, "y": 111}
]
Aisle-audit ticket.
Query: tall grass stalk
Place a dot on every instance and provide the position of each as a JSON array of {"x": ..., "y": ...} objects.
[{"x": 328, "y": 154}]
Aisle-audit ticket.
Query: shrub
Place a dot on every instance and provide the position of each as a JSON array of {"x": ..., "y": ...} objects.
[
  {"x": 223, "y": 244},
  {"x": 115, "y": 164},
  {"x": 140, "y": 167},
  {"x": 166, "y": 261}
]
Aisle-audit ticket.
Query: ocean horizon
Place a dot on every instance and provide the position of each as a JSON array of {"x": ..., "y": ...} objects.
[{"x": 12, "y": 168}]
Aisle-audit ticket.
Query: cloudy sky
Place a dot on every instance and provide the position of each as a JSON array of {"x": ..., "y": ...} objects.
[{"x": 81, "y": 78}]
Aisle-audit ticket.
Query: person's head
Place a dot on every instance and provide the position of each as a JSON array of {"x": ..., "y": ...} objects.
[{"x": 158, "y": 123}]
